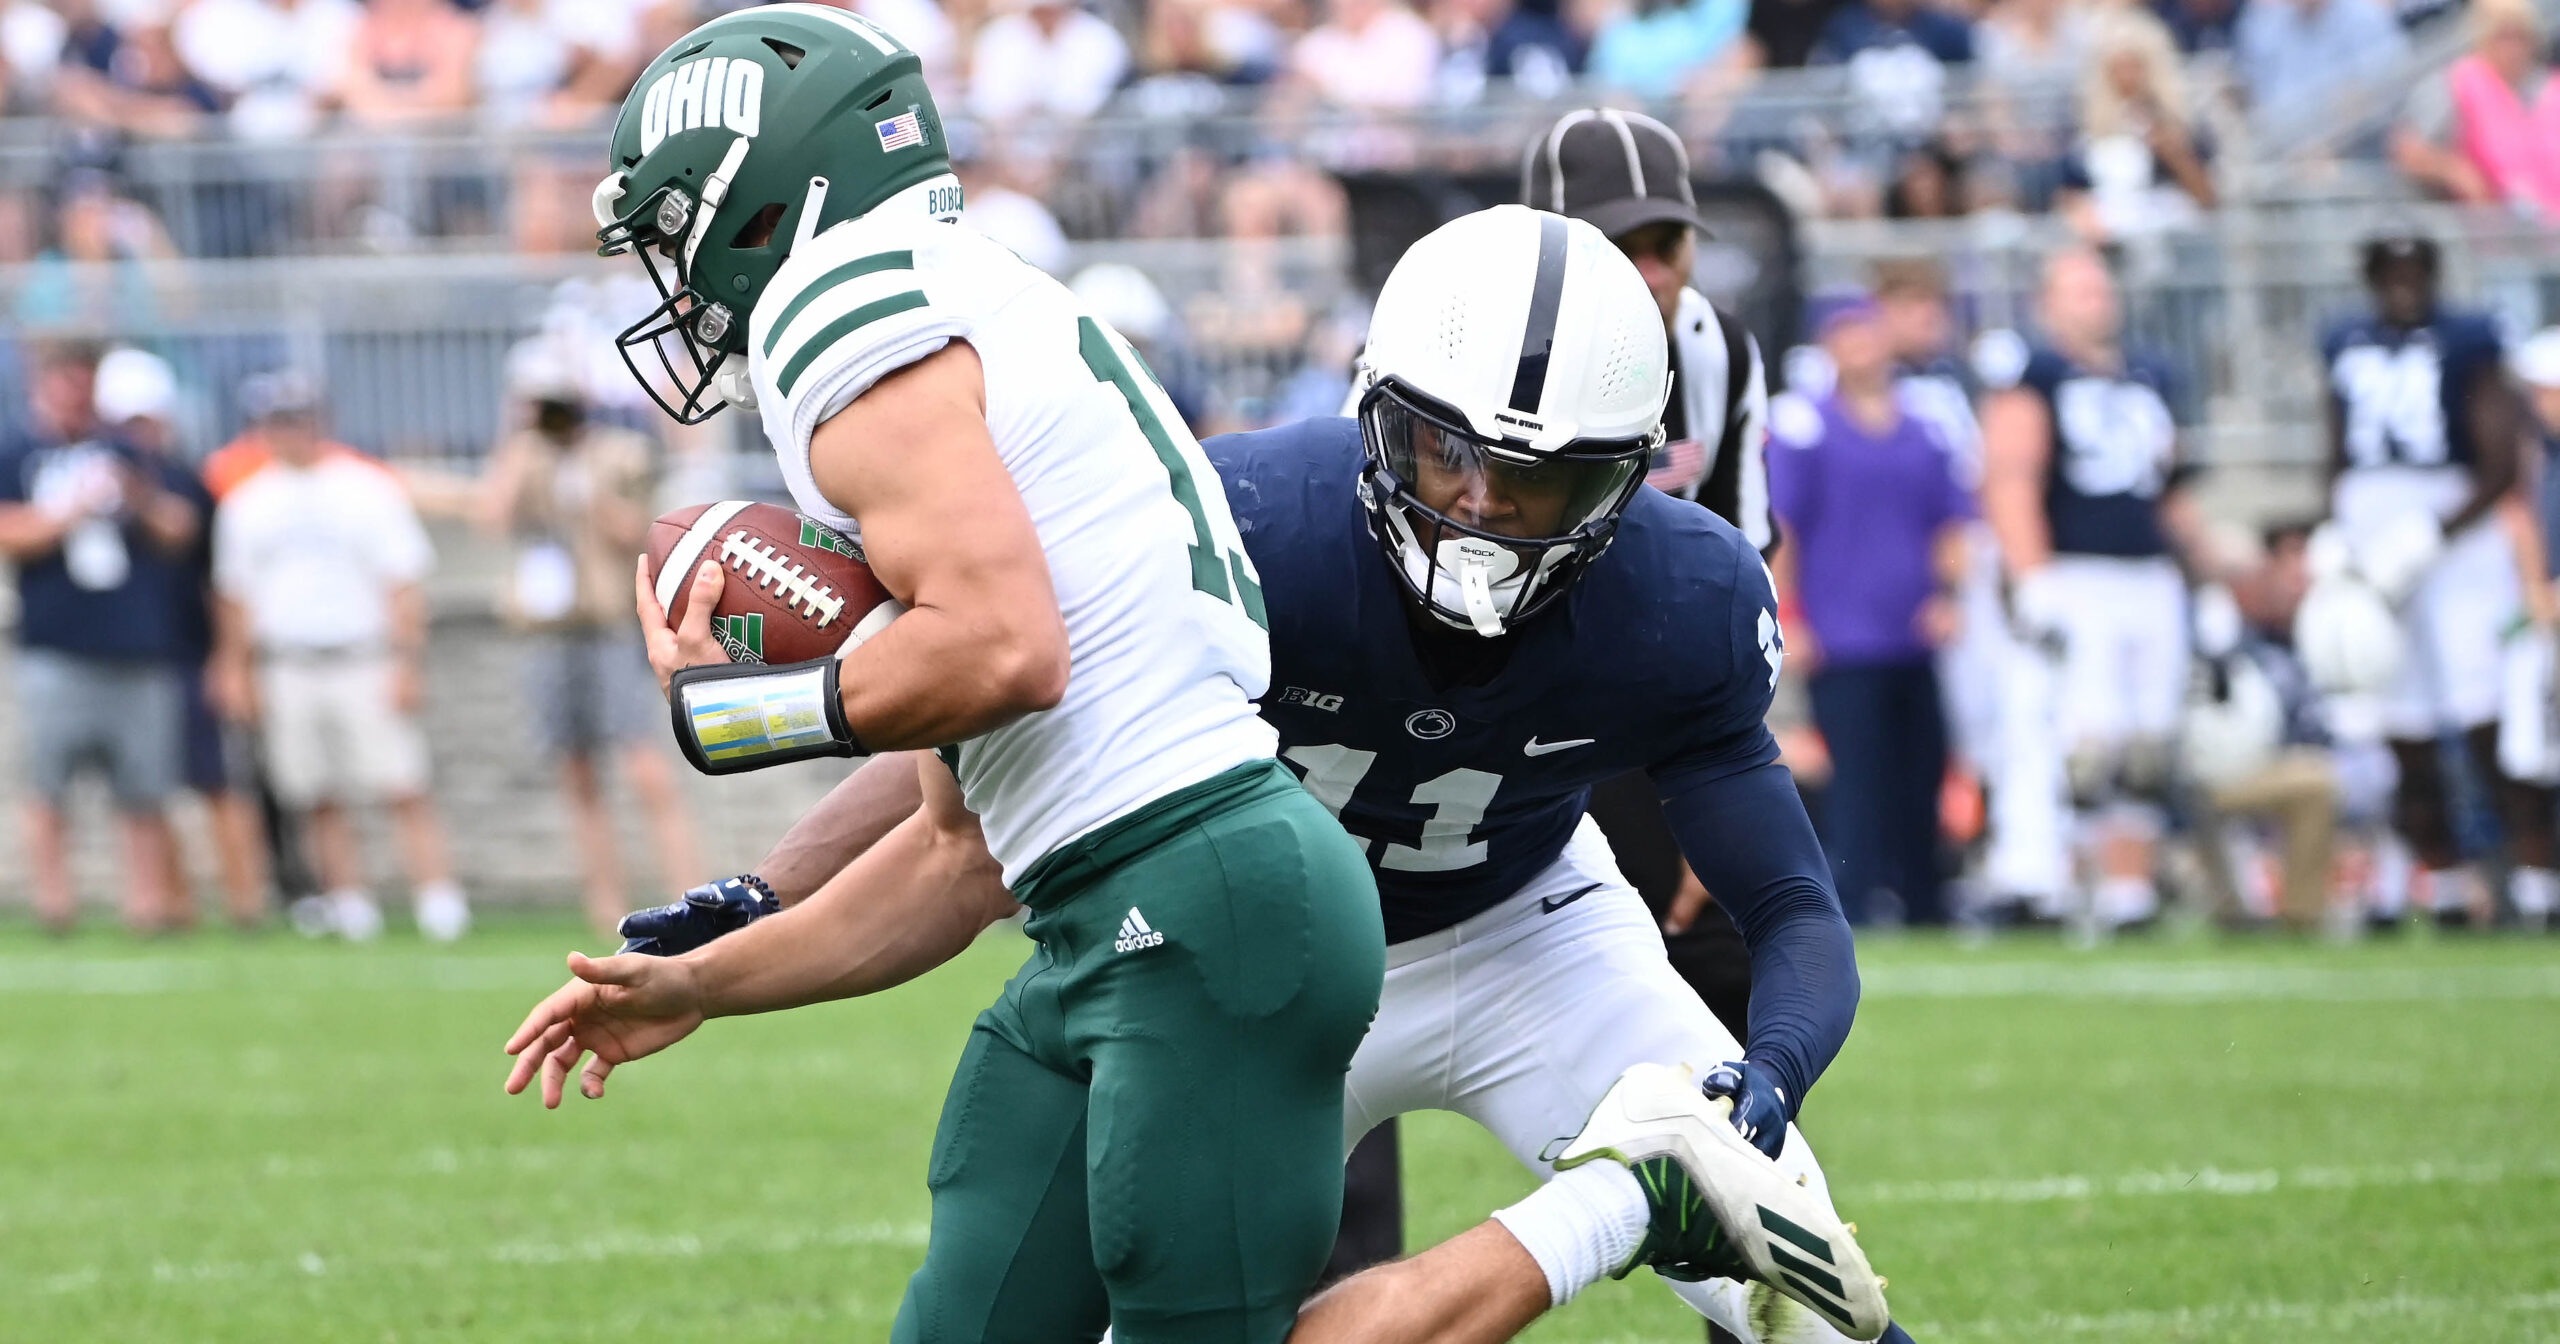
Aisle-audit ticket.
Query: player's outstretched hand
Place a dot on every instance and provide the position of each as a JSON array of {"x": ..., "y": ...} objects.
[
  {"x": 1759, "y": 1108},
  {"x": 621, "y": 1008},
  {"x": 689, "y": 643}
]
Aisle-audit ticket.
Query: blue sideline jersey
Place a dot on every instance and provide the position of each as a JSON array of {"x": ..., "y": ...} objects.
[
  {"x": 2401, "y": 392},
  {"x": 1661, "y": 658},
  {"x": 2115, "y": 442}
]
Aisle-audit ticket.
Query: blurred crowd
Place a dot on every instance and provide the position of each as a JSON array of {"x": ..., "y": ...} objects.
[
  {"x": 2112, "y": 112},
  {"x": 2040, "y": 685},
  {"x": 250, "y": 626}
]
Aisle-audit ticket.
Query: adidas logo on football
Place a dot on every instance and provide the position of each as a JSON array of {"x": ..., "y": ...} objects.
[{"x": 1135, "y": 934}]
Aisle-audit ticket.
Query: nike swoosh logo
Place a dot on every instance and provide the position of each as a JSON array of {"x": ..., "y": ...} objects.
[
  {"x": 1551, "y": 904},
  {"x": 1538, "y": 748}
]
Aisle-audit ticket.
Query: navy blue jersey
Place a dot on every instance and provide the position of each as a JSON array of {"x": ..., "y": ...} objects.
[
  {"x": 2115, "y": 441},
  {"x": 1661, "y": 658},
  {"x": 2401, "y": 393}
]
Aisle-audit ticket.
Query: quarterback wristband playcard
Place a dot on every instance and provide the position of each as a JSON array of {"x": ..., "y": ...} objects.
[{"x": 734, "y": 717}]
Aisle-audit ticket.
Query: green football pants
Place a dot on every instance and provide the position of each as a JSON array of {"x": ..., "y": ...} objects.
[{"x": 1145, "y": 1130}]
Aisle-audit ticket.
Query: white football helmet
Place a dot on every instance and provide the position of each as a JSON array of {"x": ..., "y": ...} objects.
[
  {"x": 2234, "y": 722},
  {"x": 1511, "y": 395},
  {"x": 2347, "y": 637}
]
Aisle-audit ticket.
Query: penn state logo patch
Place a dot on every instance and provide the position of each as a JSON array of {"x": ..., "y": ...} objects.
[{"x": 1431, "y": 724}]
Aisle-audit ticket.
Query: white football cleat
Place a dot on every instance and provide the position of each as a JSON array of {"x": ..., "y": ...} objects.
[
  {"x": 443, "y": 915},
  {"x": 1721, "y": 1208},
  {"x": 355, "y": 917}
]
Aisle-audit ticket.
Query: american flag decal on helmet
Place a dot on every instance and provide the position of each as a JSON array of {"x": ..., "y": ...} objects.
[{"x": 900, "y": 132}]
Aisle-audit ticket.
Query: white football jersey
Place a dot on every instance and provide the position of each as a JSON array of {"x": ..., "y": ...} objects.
[{"x": 1164, "y": 619}]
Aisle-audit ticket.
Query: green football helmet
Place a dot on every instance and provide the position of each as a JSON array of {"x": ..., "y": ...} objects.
[{"x": 749, "y": 136}]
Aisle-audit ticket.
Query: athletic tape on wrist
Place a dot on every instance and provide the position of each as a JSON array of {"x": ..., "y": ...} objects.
[{"x": 732, "y": 717}]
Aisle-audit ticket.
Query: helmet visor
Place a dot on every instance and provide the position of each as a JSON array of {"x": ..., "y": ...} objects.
[{"x": 1499, "y": 490}]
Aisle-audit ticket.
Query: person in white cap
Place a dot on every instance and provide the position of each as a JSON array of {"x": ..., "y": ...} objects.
[
  {"x": 95, "y": 533},
  {"x": 572, "y": 497},
  {"x": 137, "y": 400},
  {"x": 321, "y": 628}
]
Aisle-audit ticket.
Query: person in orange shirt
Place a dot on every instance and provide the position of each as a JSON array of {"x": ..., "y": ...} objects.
[{"x": 266, "y": 397}]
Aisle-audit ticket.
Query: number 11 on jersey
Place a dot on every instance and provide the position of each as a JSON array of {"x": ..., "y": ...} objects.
[{"x": 1457, "y": 801}]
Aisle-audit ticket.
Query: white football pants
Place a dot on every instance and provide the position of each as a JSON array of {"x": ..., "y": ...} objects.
[{"x": 1520, "y": 1018}]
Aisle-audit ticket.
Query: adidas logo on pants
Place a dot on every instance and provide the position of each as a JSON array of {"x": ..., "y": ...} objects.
[{"x": 1135, "y": 934}]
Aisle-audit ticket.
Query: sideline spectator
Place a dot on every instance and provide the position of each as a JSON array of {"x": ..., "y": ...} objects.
[
  {"x": 1206, "y": 39},
  {"x": 96, "y": 533},
  {"x": 2487, "y": 130},
  {"x": 1785, "y": 31},
  {"x": 2202, "y": 27},
  {"x": 408, "y": 61},
  {"x": 2029, "y": 55},
  {"x": 1486, "y": 40},
  {"x": 553, "y": 62},
  {"x": 2140, "y": 166},
  {"x": 93, "y": 268},
  {"x": 2538, "y": 368},
  {"x": 1044, "y": 58},
  {"x": 1875, "y": 523},
  {"x": 922, "y": 27},
  {"x": 137, "y": 396},
  {"x": 277, "y": 62},
  {"x": 320, "y": 626},
  {"x": 1659, "y": 48},
  {"x": 1369, "y": 54},
  {"x": 2293, "y": 786},
  {"x": 139, "y": 87},
  {"x": 1000, "y": 198},
  {"x": 573, "y": 497},
  {"x": 2300, "y": 58},
  {"x": 1864, "y": 26}
]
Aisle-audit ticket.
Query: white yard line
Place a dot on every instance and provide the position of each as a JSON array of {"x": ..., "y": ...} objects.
[
  {"x": 2199, "y": 1181},
  {"x": 595, "y": 1249},
  {"x": 2213, "y": 983},
  {"x": 2185, "y": 1322}
]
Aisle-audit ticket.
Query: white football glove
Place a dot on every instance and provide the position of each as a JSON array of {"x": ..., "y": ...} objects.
[
  {"x": 2394, "y": 556},
  {"x": 2036, "y": 606}
]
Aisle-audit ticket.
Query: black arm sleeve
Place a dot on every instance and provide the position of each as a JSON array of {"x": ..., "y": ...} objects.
[{"x": 1747, "y": 836}]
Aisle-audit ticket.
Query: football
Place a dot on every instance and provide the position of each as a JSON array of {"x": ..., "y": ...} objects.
[{"x": 795, "y": 588}]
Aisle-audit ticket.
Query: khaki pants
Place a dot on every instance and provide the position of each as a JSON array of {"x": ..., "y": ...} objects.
[{"x": 2298, "y": 794}]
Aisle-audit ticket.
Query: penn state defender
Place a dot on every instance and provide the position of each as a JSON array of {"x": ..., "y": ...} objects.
[
  {"x": 1082, "y": 635},
  {"x": 2424, "y": 429},
  {"x": 2080, "y": 461},
  {"x": 1477, "y": 612}
]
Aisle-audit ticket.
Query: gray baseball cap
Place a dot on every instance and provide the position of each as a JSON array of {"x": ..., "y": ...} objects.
[{"x": 1619, "y": 170}]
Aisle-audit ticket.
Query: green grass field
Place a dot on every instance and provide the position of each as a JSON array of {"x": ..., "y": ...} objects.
[{"x": 268, "y": 1140}]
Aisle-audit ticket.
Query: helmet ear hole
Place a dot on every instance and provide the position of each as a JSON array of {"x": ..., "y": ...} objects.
[{"x": 759, "y": 228}]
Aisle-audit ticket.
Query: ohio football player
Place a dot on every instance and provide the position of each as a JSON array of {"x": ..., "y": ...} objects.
[
  {"x": 1479, "y": 611},
  {"x": 2424, "y": 429},
  {"x": 1162, "y": 1085}
]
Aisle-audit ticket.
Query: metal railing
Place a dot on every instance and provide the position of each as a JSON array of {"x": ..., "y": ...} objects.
[{"x": 412, "y": 349}]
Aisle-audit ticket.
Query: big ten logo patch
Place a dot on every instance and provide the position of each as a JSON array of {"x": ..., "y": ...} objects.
[
  {"x": 717, "y": 92},
  {"x": 1300, "y": 695}
]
